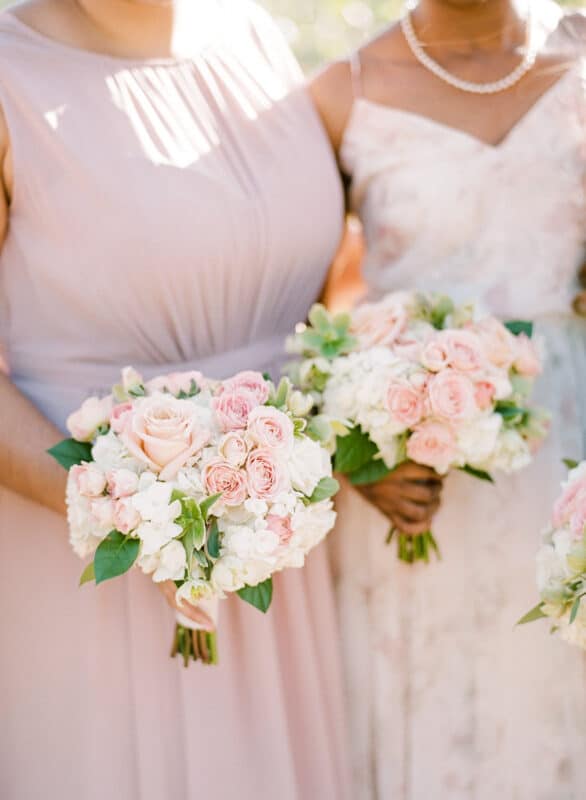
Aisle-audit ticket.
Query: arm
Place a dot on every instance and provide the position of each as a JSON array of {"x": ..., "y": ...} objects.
[{"x": 25, "y": 434}]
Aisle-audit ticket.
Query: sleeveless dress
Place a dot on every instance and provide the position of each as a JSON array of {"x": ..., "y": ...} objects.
[
  {"x": 447, "y": 699},
  {"x": 162, "y": 217}
]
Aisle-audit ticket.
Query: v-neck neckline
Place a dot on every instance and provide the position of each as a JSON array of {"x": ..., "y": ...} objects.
[{"x": 547, "y": 95}]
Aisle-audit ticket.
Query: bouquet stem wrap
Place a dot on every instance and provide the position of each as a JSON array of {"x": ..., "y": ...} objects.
[{"x": 191, "y": 641}]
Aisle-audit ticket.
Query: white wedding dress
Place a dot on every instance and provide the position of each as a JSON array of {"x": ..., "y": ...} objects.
[{"x": 448, "y": 700}]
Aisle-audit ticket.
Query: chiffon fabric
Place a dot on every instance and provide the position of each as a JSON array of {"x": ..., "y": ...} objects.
[
  {"x": 447, "y": 699},
  {"x": 164, "y": 216}
]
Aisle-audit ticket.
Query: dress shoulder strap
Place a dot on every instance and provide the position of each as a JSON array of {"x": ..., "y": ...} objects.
[{"x": 356, "y": 74}]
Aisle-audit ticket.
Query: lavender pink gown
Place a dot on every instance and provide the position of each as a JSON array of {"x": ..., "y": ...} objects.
[{"x": 167, "y": 214}]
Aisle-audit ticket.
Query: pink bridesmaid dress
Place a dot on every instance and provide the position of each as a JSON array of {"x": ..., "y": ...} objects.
[{"x": 168, "y": 214}]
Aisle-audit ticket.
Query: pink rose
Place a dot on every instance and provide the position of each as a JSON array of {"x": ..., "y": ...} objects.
[
  {"x": 433, "y": 445},
  {"x": 527, "y": 360},
  {"x": 118, "y": 416},
  {"x": 572, "y": 499},
  {"x": 404, "y": 403},
  {"x": 266, "y": 475},
  {"x": 125, "y": 517},
  {"x": 164, "y": 433},
  {"x": 102, "y": 510},
  {"x": 269, "y": 427},
  {"x": 94, "y": 413},
  {"x": 177, "y": 382},
  {"x": 484, "y": 394},
  {"x": 233, "y": 407},
  {"x": 220, "y": 476},
  {"x": 122, "y": 483},
  {"x": 451, "y": 396},
  {"x": 464, "y": 350},
  {"x": 578, "y": 520},
  {"x": 89, "y": 478},
  {"x": 233, "y": 448},
  {"x": 379, "y": 324},
  {"x": 498, "y": 342},
  {"x": 281, "y": 526},
  {"x": 408, "y": 347},
  {"x": 252, "y": 382},
  {"x": 434, "y": 355}
]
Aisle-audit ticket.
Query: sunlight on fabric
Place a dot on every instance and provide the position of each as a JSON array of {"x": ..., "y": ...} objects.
[{"x": 54, "y": 115}]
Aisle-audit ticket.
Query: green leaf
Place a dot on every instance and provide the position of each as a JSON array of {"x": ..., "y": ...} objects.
[
  {"x": 137, "y": 391},
  {"x": 191, "y": 392},
  {"x": 570, "y": 463},
  {"x": 325, "y": 489},
  {"x": 509, "y": 412},
  {"x": 213, "y": 543},
  {"x": 319, "y": 318},
  {"x": 531, "y": 616},
  {"x": 342, "y": 323},
  {"x": 88, "y": 574},
  {"x": 477, "y": 473},
  {"x": 575, "y": 608},
  {"x": 518, "y": 326},
  {"x": 206, "y": 504},
  {"x": 372, "y": 472},
  {"x": 70, "y": 452},
  {"x": 114, "y": 556},
  {"x": 192, "y": 521},
  {"x": 353, "y": 451},
  {"x": 267, "y": 377},
  {"x": 258, "y": 596}
]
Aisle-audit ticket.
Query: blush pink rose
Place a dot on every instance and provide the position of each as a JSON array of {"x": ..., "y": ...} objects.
[
  {"x": 404, "y": 403},
  {"x": 452, "y": 396},
  {"x": 94, "y": 413},
  {"x": 89, "y": 478},
  {"x": 497, "y": 341},
  {"x": 118, "y": 416},
  {"x": 250, "y": 381},
  {"x": 266, "y": 474},
  {"x": 433, "y": 445},
  {"x": 379, "y": 324},
  {"x": 572, "y": 499},
  {"x": 578, "y": 520},
  {"x": 484, "y": 394},
  {"x": 164, "y": 433},
  {"x": 233, "y": 447},
  {"x": 176, "y": 382},
  {"x": 220, "y": 476},
  {"x": 122, "y": 483},
  {"x": 434, "y": 354},
  {"x": 527, "y": 360},
  {"x": 125, "y": 516},
  {"x": 281, "y": 526},
  {"x": 464, "y": 350},
  {"x": 269, "y": 427},
  {"x": 232, "y": 408}
]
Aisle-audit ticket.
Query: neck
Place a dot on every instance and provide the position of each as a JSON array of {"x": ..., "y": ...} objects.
[
  {"x": 478, "y": 24},
  {"x": 133, "y": 27}
]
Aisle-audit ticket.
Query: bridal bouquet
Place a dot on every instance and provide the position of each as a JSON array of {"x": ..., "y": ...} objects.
[
  {"x": 214, "y": 485},
  {"x": 415, "y": 377},
  {"x": 561, "y": 562}
]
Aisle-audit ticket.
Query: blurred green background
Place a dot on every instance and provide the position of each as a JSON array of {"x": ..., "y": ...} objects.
[{"x": 320, "y": 30}]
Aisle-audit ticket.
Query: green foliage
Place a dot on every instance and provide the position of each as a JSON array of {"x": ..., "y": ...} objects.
[
  {"x": 531, "y": 616},
  {"x": 375, "y": 470},
  {"x": 354, "y": 451},
  {"x": 477, "y": 473},
  {"x": 327, "y": 335},
  {"x": 114, "y": 556},
  {"x": 70, "y": 452},
  {"x": 325, "y": 489},
  {"x": 519, "y": 326},
  {"x": 88, "y": 574},
  {"x": 258, "y": 596}
]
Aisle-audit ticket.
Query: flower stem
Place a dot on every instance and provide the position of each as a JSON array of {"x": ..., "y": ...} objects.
[{"x": 414, "y": 548}]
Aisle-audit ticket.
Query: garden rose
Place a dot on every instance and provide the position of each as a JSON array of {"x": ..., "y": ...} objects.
[
  {"x": 233, "y": 447},
  {"x": 434, "y": 354},
  {"x": 464, "y": 350},
  {"x": 125, "y": 516},
  {"x": 232, "y": 408},
  {"x": 222, "y": 476},
  {"x": 122, "y": 483},
  {"x": 484, "y": 394},
  {"x": 379, "y": 323},
  {"x": 119, "y": 415},
  {"x": 404, "y": 403},
  {"x": 498, "y": 342},
  {"x": 281, "y": 526},
  {"x": 250, "y": 381},
  {"x": 90, "y": 479},
  {"x": 164, "y": 433},
  {"x": 433, "y": 445},
  {"x": 102, "y": 511},
  {"x": 266, "y": 475},
  {"x": 176, "y": 382},
  {"x": 527, "y": 360},
  {"x": 94, "y": 413},
  {"x": 452, "y": 396},
  {"x": 269, "y": 427}
]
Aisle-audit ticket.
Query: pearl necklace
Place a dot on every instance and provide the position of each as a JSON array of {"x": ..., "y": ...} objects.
[{"x": 467, "y": 86}]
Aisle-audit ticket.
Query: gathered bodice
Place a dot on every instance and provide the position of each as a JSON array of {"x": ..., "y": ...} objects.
[
  {"x": 442, "y": 210},
  {"x": 161, "y": 210}
]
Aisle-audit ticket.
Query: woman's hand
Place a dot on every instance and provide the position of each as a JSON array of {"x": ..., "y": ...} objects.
[
  {"x": 188, "y": 610},
  {"x": 409, "y": 497},
  {"x": 580, "y": 299}
]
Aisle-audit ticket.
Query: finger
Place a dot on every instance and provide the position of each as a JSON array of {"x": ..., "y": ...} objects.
[
  {"x": 203, "y": 647},
  {"x": 413, "y": 471},
  {"x": 409, "y": 527},
  {"x": 419, "y": 493},
  {"x": 414, "y": 512}
]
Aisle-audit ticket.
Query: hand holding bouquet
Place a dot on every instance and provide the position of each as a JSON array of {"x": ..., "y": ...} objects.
[
  {"x": 214, "y": 485},
  {"x": 413, "y": 377},
  {"x": 561, "y": 562}
]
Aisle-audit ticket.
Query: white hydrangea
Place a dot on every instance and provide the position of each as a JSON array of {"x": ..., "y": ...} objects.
[{"x": 308, "y": 464}]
